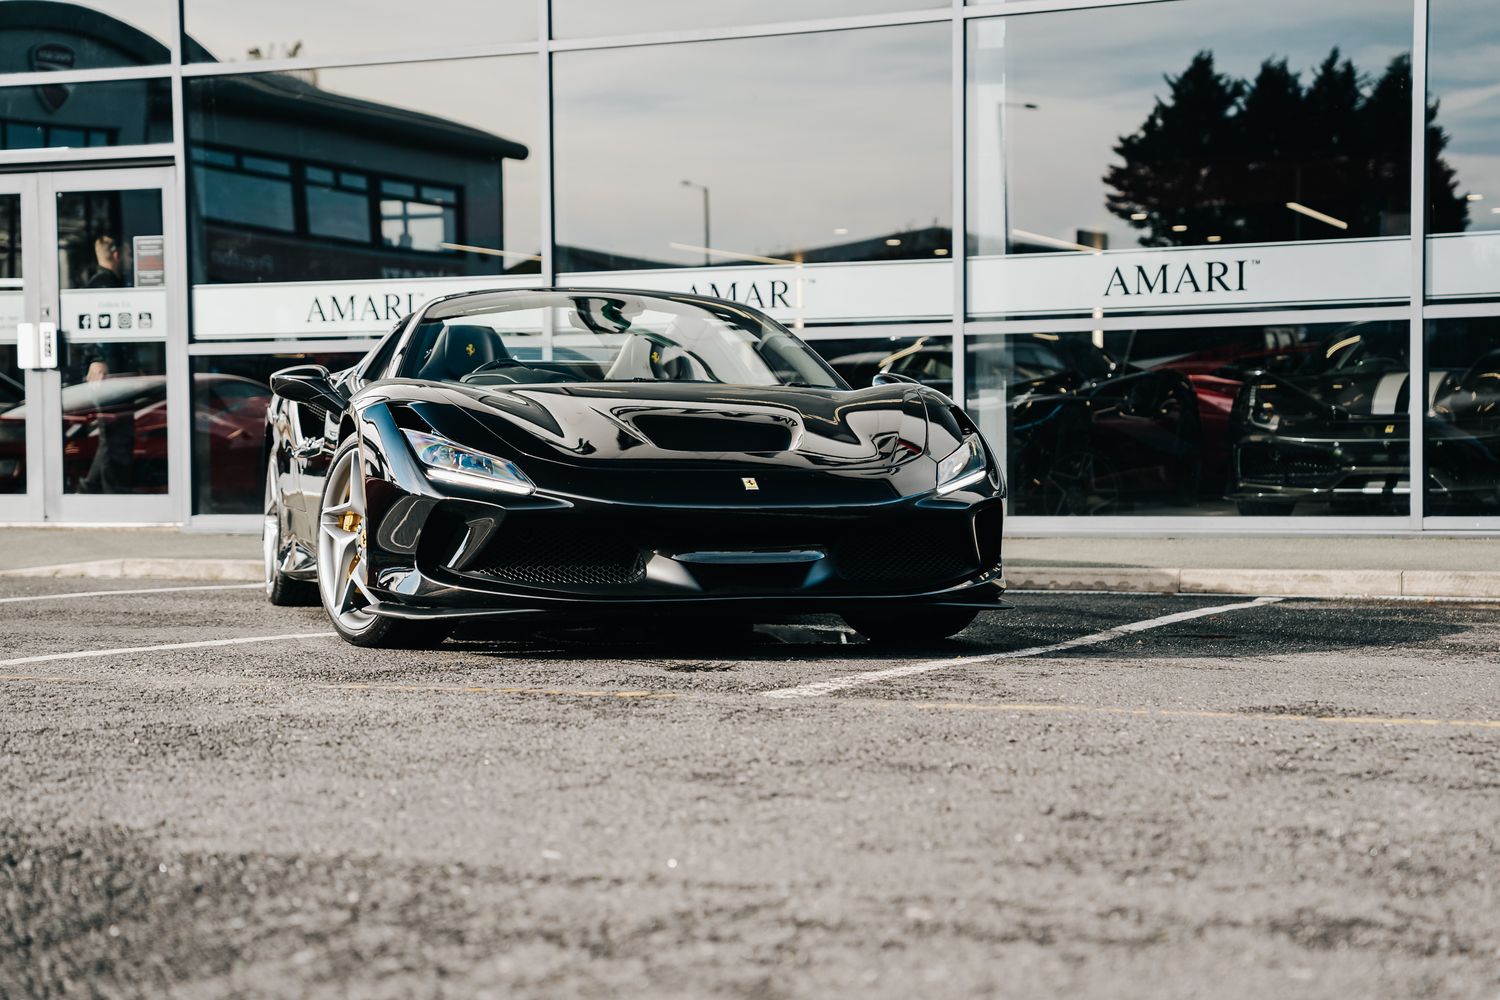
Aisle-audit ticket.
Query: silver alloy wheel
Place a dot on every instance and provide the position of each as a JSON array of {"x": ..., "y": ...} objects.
[
  {"x": 270, "y": 532},
  {"x": 341, "y": 546}
]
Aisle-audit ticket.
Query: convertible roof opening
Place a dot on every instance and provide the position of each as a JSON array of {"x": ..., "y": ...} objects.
[{"x": 592, "y": 335}]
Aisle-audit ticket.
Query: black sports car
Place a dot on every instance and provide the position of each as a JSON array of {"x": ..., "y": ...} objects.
[
  {"x": 1335, "y": 429},
  {"x": 583, "y": 454}
]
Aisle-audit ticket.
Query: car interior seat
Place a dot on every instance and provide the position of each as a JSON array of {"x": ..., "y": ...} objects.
[{"x": 459, "y": 349}]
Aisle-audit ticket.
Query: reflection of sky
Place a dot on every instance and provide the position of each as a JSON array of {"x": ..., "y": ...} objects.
[
  {"x": 230, "y": 28},
  {"x": 579, "y": 18},
  {"x": 796, "y": 136},
  {"x": 497, "y": 95},
  {"x": 1096, "y": 75},
  {"x": 153, "y": 17},
  {"x": 1464, "y": 74}
]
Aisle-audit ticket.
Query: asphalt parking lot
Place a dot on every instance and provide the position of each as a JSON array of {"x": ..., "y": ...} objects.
[{"x": 1090, "y": 795}]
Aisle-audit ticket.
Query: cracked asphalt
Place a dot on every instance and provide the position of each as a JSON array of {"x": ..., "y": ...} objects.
[{"x": 1298, "y": 799}]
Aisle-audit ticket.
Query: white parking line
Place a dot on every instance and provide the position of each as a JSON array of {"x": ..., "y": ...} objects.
[
  {"x": 85, "y": 654},
  {"x": 140, "y": 590},
  {"x": 842, "y": 683}
]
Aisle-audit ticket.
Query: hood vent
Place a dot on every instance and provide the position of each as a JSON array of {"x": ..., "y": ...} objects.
[{"x": 673, "y": 432}]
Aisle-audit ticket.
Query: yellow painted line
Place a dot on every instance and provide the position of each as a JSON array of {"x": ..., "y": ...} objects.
[
  {"x": 481, "y": 689},
  {"x": 1191, "y": 713}
]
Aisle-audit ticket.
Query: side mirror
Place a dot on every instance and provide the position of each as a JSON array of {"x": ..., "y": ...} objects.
[
  {"x": 309, "y": 384},
  {"x": 891, "y": 378}
]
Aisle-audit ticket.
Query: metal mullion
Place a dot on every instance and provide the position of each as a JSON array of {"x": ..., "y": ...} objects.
[
  {"x": 42, "y": 158},
  {"x": 1043, "y": 6},
  {"x": 875, "y": 331},
  {"x": 547, "y": 219},
  {"x": 1417, "y": 353},
  {"x": 752, "y": 30},
  {"x": 107, "y": 74},
  {"x": 1459, "y": 525},
  {"x": 1460, "y": 310},
  {"x": 1168, "y": 321},
  {"x": 1205, "y": 524},
  {"x": 180, "y": 402},
  {"x": 217, "y": 348},
  {"x": 355, "y": 61},
  {"x": 959, "y": 226}
]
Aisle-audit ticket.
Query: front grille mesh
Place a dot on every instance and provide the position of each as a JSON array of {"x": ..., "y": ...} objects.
[
  {"x": 925, "y": 561},
  {"x": 563, "y": 559},
  {"x": 1266, "y": 465}
]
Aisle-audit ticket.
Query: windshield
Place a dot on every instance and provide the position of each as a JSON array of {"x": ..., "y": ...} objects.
[{"x": 505, "y": 338}]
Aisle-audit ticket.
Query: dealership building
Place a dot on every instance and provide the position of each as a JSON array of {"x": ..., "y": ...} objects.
[{"x": 1193, "y": 265}]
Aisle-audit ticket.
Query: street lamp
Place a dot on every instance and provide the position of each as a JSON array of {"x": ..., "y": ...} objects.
[{"x": 707, "y": 241}]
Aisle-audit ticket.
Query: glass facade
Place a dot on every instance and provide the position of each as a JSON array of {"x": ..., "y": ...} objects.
[
  {"x": 765, "y": 157},
  {"x": 1189, "y": 263}
]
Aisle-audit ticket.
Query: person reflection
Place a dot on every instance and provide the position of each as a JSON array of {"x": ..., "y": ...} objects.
[
  {"x": 113, "y": 420},
  {"x": 109, "y": 270}
]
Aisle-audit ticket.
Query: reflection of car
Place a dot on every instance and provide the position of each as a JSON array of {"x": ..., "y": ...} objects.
[
  {"x": 229, "y": 415},
  {"x": 1215, "y": 363},
  {"x": 587, "y": 454},
  {"x": 1336, "y": 430},
  {"x": 1086, "y": 434}
]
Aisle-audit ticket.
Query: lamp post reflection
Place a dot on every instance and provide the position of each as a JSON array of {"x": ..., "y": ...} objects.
[{"x": 707, "y": 235}]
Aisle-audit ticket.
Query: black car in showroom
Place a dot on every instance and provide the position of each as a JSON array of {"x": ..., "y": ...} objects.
[
  {"x": 594, "y": 454},
  {"x": 1085, "y": 434},
  {"x": 1334, "y": 428}
]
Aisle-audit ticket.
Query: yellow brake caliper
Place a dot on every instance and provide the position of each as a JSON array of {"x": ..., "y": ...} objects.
[{"x": 350, "y": 521}]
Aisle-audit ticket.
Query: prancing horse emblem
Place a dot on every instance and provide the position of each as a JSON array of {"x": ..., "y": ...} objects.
[{"x": 750, "y": 484}]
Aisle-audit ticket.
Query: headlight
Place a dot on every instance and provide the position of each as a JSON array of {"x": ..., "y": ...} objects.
[
  {"x": 452, "y": 463},
  {"x": 965, "y": 467}
]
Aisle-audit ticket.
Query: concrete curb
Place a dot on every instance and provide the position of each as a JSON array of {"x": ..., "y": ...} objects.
[
  {"x": 1259, "y": 582},
  {"x": 230, "y": 570}
]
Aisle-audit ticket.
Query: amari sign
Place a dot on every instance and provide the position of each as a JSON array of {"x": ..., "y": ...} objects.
[
  {"x": 814, "y": 293},
  {"x": 1249, "y": 276}
]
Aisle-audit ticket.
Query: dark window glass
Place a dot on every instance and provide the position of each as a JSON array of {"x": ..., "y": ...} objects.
[
  {"x": 1463, "y": 417},
  {"x": 237, "y": 193},
  {"x": 581, "y": 18},
  {"x": 339, "y": 214},
  {"x": 231, "y": 31},
  {"x": 230, "y": 396},
  {"x": 824, "y": 147},
  {"x": 1189, "y": 124},
  {"x": 92, "y": 34},
  {"x": 1255, "y": 420},
  {"x": 929, "y": 360},
  {"x": 12, "y": 378},
  {"x": 113, "y": 113},
  {"x": 417, "y": 170},
  {"x": 1463, "y": 150}
]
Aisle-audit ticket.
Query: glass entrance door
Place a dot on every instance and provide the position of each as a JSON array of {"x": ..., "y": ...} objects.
[{"x": 98, "y": 443}]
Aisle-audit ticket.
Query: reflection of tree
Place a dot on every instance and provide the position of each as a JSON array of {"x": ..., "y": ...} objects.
[{"x": 1223, "y": 157}]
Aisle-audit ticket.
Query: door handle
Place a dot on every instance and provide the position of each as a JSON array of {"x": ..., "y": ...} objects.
[{"x": 309, "y": 449}]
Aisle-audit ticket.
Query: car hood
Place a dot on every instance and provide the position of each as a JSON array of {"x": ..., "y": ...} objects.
[{"x": 672, "y": 423}]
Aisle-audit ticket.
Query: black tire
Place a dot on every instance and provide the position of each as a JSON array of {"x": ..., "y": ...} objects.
[
  {"x": 281, "y": 590},
  {"x": 341, "y": 592},
  {"x": 397, "y": 633},
  {"x": 910, "y": 626}
]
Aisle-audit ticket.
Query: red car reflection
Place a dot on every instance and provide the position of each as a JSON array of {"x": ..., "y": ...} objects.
[{"x": 128, "y": 413}]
